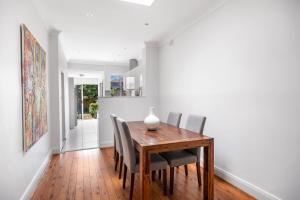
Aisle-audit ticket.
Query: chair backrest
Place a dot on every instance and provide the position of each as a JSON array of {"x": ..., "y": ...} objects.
[
  {"x": 119, "y": 147},
  {"x": 196, "y": 123},
  {"x": 129, "y": 155},
  {"x": 174, "y": 119}
]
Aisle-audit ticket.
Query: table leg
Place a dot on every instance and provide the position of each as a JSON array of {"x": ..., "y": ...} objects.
[
  {"x": 144, "y": 175},
  {"x": 208, "y": 186}
]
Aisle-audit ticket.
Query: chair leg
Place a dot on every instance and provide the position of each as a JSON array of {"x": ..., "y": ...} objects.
[
  {"x": 171, "y": 179},
  {"x": 117, "y": 161},
  {"x": 153, "y": 175},
  {"x": 165, "y": 180},
  {"x": 124, "y": 177},
  {"x": 131, "y": 186},
  {"x": 198, "y": 174},
  {"x": 115, "y": 153},
  {"x": 121, "y": 165},
  {"x": 186, "y": 170},
  {"x": 159, "y": 174}
]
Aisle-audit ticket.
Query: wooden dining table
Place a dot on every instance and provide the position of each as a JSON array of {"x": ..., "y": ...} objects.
[{"x": 170, "y": 138}]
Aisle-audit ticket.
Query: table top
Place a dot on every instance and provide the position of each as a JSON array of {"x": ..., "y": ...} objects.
[{"x": 166, "y": 138}]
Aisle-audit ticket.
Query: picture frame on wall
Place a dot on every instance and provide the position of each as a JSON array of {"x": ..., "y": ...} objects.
[{"x": 34, "y": 89}]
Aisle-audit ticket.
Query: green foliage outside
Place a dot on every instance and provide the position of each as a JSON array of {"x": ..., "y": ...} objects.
[
  {"x": 113, "y": 92},
  {"x": 90, "y": 95},
  {"x": 93, "y": 109},
  {"x": 90, "y": 92}
]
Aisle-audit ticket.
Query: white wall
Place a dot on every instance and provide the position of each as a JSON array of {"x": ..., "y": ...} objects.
[
  {"x": 57, "y": 63},
  {"x": 151, "y": 63},
  {"x": 239, "y": 66},
  {"x": 88, "y": 81},
  {"x": 64, "y": 98},
  {"x": 17, "y": 169},
  {"x": 128, "y": 108},
  {"x": 138, "y": 73},
  {"x": 72, "y": 112},
  {"x": 66, "y": 105}
]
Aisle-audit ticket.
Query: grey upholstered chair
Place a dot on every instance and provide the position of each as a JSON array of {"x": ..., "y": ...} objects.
[
  {"x": 131, "y": 161},
  {"x": 118, "y": 145},
  {"x": 174, "y": 119},
  {"x": 196, "y": 124},
  {"x": 185, "y": 157}
]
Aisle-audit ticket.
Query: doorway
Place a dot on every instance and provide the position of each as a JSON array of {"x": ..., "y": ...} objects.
[
  {"x": 87, "y": 96},
  {"x": 84, "y": 135}
]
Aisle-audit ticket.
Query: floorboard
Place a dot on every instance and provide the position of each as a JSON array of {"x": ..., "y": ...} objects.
[{"x": 89, "y": 174}]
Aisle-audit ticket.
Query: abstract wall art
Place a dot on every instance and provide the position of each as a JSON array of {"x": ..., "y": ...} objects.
[{"x": 34, "y": 86}]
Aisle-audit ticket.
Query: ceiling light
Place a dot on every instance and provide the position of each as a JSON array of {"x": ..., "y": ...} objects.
[{"x": 141, "y": 2}]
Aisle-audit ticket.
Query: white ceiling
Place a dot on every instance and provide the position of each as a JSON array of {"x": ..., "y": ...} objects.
[{"x": 114, "y": 30}]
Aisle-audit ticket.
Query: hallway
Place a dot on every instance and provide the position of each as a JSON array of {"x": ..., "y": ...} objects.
[{"x": 84, "y": 136}]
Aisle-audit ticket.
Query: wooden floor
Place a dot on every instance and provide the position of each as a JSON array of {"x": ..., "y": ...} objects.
[{"x": 90, "y": 174}]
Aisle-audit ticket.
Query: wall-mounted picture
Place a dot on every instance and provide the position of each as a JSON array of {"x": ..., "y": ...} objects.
[
  {"x": 34, "y": 86},
  {"x": 116, "y": 85}
]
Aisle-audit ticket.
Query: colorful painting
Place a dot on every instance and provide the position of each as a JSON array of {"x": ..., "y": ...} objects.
[{"x": 34, "y": 85}]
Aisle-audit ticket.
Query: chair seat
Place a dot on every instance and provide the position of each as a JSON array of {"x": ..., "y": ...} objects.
[
  {"x": 178, "y": 158},
  {"x": 157, "y": 163}
]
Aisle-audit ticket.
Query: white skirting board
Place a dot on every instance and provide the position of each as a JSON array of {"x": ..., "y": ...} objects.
[
  {"x": 251, "y": 189},
  {"x": 104, "y": 144},
  {"x": 56, "y": 151},
  {"x": 36, "y": 178},
  {"x": 244, "y": 185}
]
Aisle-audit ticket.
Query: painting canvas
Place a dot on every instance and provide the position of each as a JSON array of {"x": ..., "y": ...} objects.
[
  {"x": 34, "y": 85},
  {"x": 116, "y": 81}
]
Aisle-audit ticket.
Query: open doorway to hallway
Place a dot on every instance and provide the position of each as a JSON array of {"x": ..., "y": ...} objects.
[
  {"x": 83, "y": 136},
  {"x": 83, "y": 112}
]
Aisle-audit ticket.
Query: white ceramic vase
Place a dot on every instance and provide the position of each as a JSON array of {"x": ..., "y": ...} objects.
[{"x": 151, "y": 121}]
